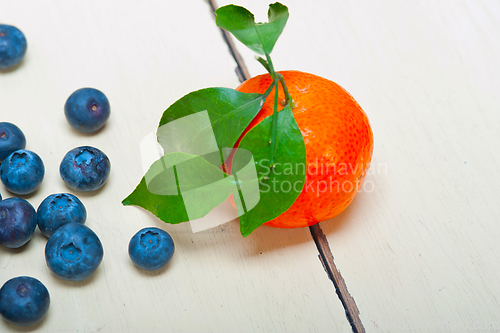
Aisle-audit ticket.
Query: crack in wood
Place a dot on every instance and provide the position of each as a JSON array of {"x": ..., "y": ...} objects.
[
  {"x": 241, "y": 68},
  {"x": 325, "y": 253},
  {"x": 326, "y": 258}
]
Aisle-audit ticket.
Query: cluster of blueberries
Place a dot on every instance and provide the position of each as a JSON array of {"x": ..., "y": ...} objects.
[{"x": 73, "y": 251}]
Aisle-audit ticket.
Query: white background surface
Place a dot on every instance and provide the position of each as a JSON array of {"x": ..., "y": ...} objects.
[{"x": 419, "y": 253}]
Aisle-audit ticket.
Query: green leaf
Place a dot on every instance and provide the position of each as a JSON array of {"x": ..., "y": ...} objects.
[
  {"x": 197, "y": 134},
  {"x": 180, "y": 187},
  {"x": 207, "y": 120},
  {"x": 259, "y": 37},
  {"x": 285, "y": 181}
]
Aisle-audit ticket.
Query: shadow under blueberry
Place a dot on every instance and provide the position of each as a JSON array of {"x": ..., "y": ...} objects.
[
  {"x": 152, "y": 273},
  {"x": 31, "y": 328},
  {"x": 86, "y": 194},
  {"x": 15, "y": 251},
  {"x": 26, "y": 197},
  {"x": 74, "y": 131},
  {"x": 13, "y": 68},
  {"x": 75, "y": 284}
]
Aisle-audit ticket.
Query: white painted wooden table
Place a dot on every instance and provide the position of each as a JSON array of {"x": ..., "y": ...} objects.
[{"x": 418, "y": 250}]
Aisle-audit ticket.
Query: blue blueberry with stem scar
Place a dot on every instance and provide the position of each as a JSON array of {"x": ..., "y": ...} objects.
[
  {"x": 151, "y": 248},
  {"x": 57, "y": 210},
  {"x": 24, "y": 301},
  {"x": 17, "y": 222},
  {"x": 22, "y": 172},
  {"x": 13, "y": 46},
  {"x": 85, "y": 168},
  {"x": 87, "y": 110},
  {"x": 73, "y": 252}
]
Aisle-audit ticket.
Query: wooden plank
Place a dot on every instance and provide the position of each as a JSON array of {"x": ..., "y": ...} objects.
[
  {"x": 418, "y": 248},
  {"x": 144, "y": 57}
]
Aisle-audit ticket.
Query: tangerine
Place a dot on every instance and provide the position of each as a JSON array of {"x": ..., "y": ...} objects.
[{"x": 338, "y": 140}]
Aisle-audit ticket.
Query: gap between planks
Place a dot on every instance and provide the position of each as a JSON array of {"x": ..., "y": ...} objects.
[{"x": 325, "y": 253}]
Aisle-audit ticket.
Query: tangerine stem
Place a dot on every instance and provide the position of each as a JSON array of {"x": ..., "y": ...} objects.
[
  {"x": 263, "y": 63},
  {"x": 268, "y": 91},
  {"x": 268, "y": 57},
  {"x": 277, "y": 78},
  {"x": 275, "y": 125},
  {"x": 271, "y": 67},
  {"x": 288, "y": 98}
]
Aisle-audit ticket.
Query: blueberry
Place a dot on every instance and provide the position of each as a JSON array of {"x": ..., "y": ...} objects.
[
  {"x": 73, "y": 252},
  {"x": 22, "y": 172},
  {"x": 17, "y": 222},
  {"x": 151, "y": 248},
  {"x": 85, "y": 168},
  {"x": 12, "y": 46},
  {"x": 24, "y": 301},
  {"x": 87, "y": 110},
  {"x": 57, "y": 210},
  {"x": 11, "y": 139}
]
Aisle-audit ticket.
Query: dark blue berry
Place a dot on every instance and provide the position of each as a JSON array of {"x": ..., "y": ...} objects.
[
  {"x": 12, "y": 46},
  {"x": 11, "y": 139},
  {"x": 85, "y": 168},
  {"x": 17, "y": 222},
  {"x": 24, "y": 301},
  {"x": 57, "y": 210},
  {"x": 73, "y": 252},
  {"x": 22, "y": 172},
  {"x": 87, "y": 109},
  {"x": 151, "y": 248}
]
